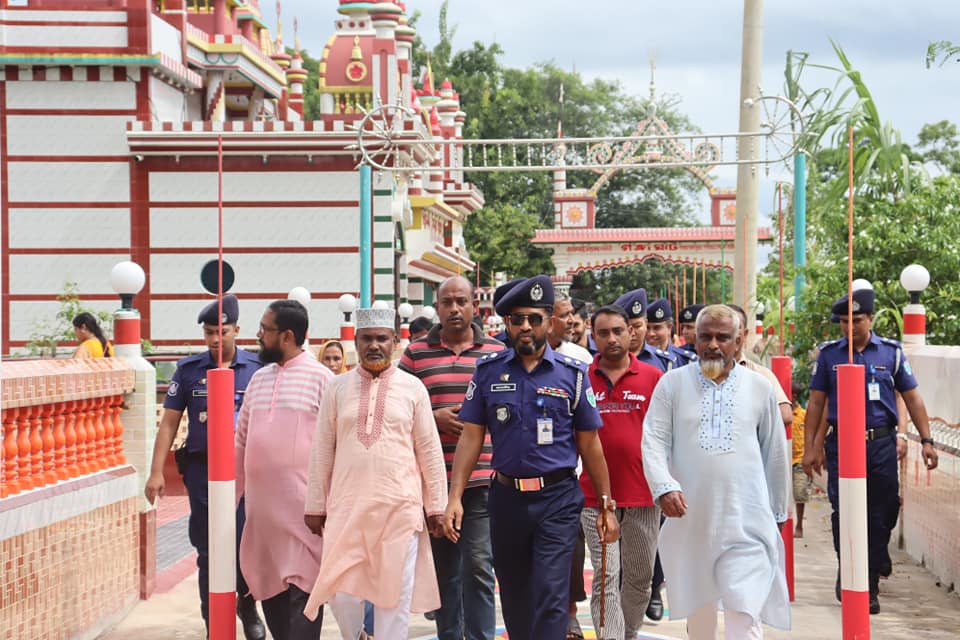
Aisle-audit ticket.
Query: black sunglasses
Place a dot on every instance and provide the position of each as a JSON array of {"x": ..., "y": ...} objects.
[{"x": 535, "y": 319}]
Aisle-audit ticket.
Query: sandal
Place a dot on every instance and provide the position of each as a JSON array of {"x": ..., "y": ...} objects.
[{"x": 574, "y": 632}]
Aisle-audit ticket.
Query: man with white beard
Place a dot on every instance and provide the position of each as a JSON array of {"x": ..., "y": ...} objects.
[{"x": 715, "y": 458}]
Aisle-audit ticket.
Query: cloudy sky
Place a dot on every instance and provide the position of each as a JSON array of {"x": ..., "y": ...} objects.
[{"x": 697, "y": 46}]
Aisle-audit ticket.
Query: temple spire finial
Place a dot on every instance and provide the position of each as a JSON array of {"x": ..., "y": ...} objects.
[
  {"x": 653, "y": 72},
  {"x": 279, "y": 29},
  {"x": 296, "y": 36}
]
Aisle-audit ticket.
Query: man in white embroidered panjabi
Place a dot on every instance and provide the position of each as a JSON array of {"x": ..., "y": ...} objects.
[
  {"x": 279, "y": 556},
  {"x": 375, "y": 466},
  {"x": 715, "y": 457}
]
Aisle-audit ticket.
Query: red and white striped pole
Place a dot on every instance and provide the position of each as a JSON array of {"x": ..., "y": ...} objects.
[
  {"x": 852, "y": 457},
  {"x": 221, "y": 496},
  {"x": 782, "y": 367},
  {"x": 347, "y": 304},
  {"x": 222, "y": 524},
  {"x": 914, "y": 278}
]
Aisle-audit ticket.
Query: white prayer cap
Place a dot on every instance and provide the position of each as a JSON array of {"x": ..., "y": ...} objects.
[{"x": 376, "y": 319}]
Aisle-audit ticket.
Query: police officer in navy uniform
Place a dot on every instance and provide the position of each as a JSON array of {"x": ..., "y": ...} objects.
[
  {"x": 886, "y": 371},
  {"x": 688, "y": 327},
  {"x": 634, "y": 304},
  {"x": 660, "y": 333},
  {"x": 541, "y": 413},
  {"x": 188, "y": 391}
]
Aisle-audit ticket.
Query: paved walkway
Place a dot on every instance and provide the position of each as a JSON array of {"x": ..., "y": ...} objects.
[{"x": 912, "y": 604}]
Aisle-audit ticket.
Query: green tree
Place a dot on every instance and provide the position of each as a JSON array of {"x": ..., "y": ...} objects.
[
  {"x": 49, "y": 333},
  {"x": 944, "y": 51},
  {"x": 938, "y": 143}
]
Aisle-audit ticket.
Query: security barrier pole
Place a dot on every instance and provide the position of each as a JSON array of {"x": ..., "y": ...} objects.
[
  {"x": 852, "y": 457},
  {"x": 782, "y": 367}
]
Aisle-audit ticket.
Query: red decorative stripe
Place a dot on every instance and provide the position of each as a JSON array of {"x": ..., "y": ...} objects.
[
  {"x": 914, "y": 324},
  {"x": 65, "y": 158},
  {"x": 67, "y": 111},
  {"x": 220, "y": 410},
  {"x": 852, "y": 421}
]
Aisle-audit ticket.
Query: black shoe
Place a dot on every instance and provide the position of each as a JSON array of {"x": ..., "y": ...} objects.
[
  {"x": 253, "y": 628},
  {"x": 874, "y": 593},
  {"x": 655, "y": 608},
  {"x": 874, "y": 603},
  {"x": 837, "y": 587}
]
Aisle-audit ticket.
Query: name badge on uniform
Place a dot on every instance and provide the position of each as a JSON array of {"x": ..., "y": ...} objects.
[
  {"x": 506, "y": 386},
  {"x": 544, "y": 431},
  {"x": 873, "y": 390}
]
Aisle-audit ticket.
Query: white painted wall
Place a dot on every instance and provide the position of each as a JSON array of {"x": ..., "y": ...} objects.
[
  {"x": 46, "y": 273},
  {"x": 66, "y": 135},
  {"x": 74, "y": 228},
  {"x": 260, "y": 186},
  {"x": 266, "y": 273},
  {"x": 167, "y": 104},
  {"x": 35, "y": 35},
  {"x": 68, "y": 181},
  {"x": 71, "y": 95},
  {"x": 254, "y": 227},
  {"x": 25, "y": 317}
]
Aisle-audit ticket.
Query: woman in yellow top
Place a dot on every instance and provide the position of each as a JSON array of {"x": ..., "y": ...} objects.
[
  {"x": 93, "y": 344},
  {"x": 331, "y": 355}
]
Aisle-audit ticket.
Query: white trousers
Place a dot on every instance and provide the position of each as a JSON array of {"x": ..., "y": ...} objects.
[
  {"x": 388, "y": 624},
  {"x": 702, "y": 625}
]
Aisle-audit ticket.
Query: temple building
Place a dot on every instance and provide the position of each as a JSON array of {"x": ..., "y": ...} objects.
[{"x": 112, "y": 114}]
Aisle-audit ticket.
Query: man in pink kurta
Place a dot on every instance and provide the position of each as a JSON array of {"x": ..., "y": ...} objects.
[
  {"x": 279, "y": 555},
  {"x": 376, "y": 466}
]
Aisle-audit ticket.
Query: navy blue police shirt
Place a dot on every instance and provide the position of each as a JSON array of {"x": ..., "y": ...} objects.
[
  {"x": 884, "y": 363},
  {"x": 508, "y": 400},
  {"x": 188, "y": 390},
  {"x": 683, "y": 356}
]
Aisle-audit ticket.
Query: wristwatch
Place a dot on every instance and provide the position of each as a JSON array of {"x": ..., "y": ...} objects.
[
  {"x": 611, "y": 503},
  {"x": 903, "y": 436},
  {"x": 928, "y": 441}
]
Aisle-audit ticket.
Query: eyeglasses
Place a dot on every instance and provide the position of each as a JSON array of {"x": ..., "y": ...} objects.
[
  {"x": 517, "y": 319},
  {"x": 264, "y": 329}
]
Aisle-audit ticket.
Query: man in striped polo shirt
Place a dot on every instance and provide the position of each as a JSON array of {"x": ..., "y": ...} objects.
[{"x": 444, "y": 361}]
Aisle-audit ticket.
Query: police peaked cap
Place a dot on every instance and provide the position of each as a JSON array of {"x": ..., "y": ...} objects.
[
  {"x": 659, "y": 311},
  {"x": 862, "y": 303},
  {"x": 532, "y": 292},
  {"x": 503, "y": 289},
  {"x": 231, "y": 311},
  {"x": 689, "y": 314},
  {"x": 633, "y": 302}
]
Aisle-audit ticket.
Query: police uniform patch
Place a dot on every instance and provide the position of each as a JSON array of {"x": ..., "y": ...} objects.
[
  {"x": 202, "y": 416},
  {"x": 814, "y": 372},
  {"x": 503, "y": 413},
  {"x": 591, "y": 398},
  {"x": 637, "y": 308},
  {"x": 536, "y": 292},
  {"x": 856, "y": 306},
  {"x": 470, "y": 389},
  {"x": 907, "y": 369},
  {"x": 658, "y": 313},
  {"x": 173, "y": 389}
]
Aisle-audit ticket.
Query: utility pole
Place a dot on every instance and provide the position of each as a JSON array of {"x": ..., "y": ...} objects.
[{"x": 748, "y": 175}]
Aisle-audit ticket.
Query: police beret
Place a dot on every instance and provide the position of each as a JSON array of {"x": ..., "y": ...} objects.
[
  {"x": 633, "y": 302},
  {"x": 862, "y": 303},
  {"x": 659, "y": 311},
  {"x": 231, "y": 311},
  {"x": 503, "y": 289},
  {"x": 532, "y": 292},
  {"x": 689, "y": 314}
]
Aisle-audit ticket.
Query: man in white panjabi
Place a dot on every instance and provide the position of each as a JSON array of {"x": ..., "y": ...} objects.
[
  {"x": 376, "y": 465},
  {"x": 715, "y": 457}
]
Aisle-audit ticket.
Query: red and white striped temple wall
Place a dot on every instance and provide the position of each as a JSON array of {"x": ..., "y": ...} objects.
[{"x": 109, "y": 120}]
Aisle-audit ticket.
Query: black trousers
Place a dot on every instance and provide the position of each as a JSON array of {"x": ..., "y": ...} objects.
[{"x": 284, "y": 616}]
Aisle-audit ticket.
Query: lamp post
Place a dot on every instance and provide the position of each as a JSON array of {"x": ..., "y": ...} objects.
[
  {"x": 405, "y": 310},
  {"x": 429, "y": 313},
  {"x": 347, "y": 305},
  {"x": 914, "y": 278},
  {"x": 302, "y": 295},
  {"x": 127, "y": 279}
]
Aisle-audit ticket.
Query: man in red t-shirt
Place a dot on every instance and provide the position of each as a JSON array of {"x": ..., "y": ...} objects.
[{"x": 623, "y": 386}]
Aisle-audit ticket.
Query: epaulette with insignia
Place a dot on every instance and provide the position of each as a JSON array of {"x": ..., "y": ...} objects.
[
  {"x": 891, "y": 342},
  {"x": 573, "y": 363},
  {"x": 490, "y": 357},
  {"x": 666, "y": 354},
  {"x": 828, "y": 343}
]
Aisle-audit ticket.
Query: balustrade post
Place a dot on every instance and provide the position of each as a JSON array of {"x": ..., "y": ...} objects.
[
  {"x": 72, "y": 438},
  {"x": 100, "y": 442},
  {"x": 49, "y": 444},
  {"x": 118, "y": 451},
  {"x": 23, "y": 450},
  {"x": 82, "y": 437},
  {"x": 60, "y": 441},
  {"x": 10, "y": 452}
]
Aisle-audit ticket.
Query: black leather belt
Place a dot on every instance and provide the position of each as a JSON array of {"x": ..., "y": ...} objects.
[
  {"x": 872, "y": 434},
  {"x": 537, "y": 483}
]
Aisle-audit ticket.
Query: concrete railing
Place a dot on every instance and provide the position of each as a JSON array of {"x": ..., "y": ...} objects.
[
  {"x": 61, "y": 420},
  {"x": 930, "y": 524}
]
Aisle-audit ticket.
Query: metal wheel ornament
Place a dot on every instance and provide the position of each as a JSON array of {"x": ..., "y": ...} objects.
[
  {"x": 781, "y": 125},
  {"x": 380, "y": 133}
]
